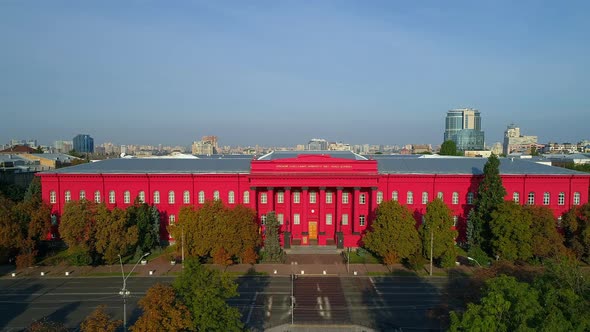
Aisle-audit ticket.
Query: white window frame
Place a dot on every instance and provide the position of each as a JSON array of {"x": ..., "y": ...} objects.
[
  {"x": 576, "y": 198},
  {"x": 546, "y": 198},
  {"x": 263, "y": 219},
  {"x": 82, "y": 194},
  {"x": 455, "y": 220},
  {"x": 216, "y": 195},
  {"x": 127, "y": 197},
  {"x": 362, "y": 220},
  {"x": 344, "y": 219},
  {"x": 531, "y": 198},
  {"x": 439, "y": 195},
  {"x": 112, "y": 197},
  {"x": 141, "y": 196},
  {"x": 344, "y": 198},
  {"x": 363, "y": 198},
  {"x": 97, "y": 196},
  {"x": 561, "y": 198},
  {"x": 281, "y": 197},
  {"x": 156, "y": 197},
  {"x": 395, "y": 196},
  {"x": 328, "y": 219},
  {"x": 455, "y": 198},
  {"x": 246, "y": 197},
  {"x": 424, "y": 197},
  {"x": 52, "y": 197},
  {"x": 312, "y": 197},
  {"x": 68, "y": 196},
  {"x": 186, "y": 197},
  {"x": 328, "y": 197},
  {"x": 231, "y": 197},
  {"x": 470, "y": 197},
  {"x": 263, "y": 198},
  {"x": 171, "y": 219},
  {"x": 281, "y": 218},
  {"x": 296, "y": 197},
  {"x": 201, "y": 197},
  {"x": 516, "y": 197},
  {"x": 296, "y": 219},
  {"x": 379, "y": 197},
  {"x": 410, "y": 198},
  {"x": 171, "y": 197}
]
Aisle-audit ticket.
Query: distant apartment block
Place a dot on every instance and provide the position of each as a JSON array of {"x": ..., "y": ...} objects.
[
  {"x": 463, "y": 126},
  {"x": 202, "y": 148},
  {"x": 83, "y": 143},
  {"x": 316, "y": 144},
  {"x": 514, "y": 142}
]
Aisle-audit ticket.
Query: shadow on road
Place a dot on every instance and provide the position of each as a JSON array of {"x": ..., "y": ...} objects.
[
  {"x": 14, "y": 302},
  {"x": 61, "y": 314}
]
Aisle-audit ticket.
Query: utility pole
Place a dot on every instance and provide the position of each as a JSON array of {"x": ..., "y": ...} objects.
[
  {"x": 124, "y": 292},
  {"x": 431, "y": 247}
]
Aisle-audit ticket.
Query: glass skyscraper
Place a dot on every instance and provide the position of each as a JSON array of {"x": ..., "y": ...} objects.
[
  {"x": 83, "y": 143},
  {"x": 463, "y": 126}
]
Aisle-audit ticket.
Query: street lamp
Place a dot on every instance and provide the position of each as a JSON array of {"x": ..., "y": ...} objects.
[
  {"x": 473, "y": 260},
  {"x": 124, "y": 291}
]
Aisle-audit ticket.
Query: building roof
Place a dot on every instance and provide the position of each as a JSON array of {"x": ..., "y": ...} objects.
[
  {"x": 19, "y": 149},
  {"x": 294, "y": 154},
  {"x": 387, "y": 164}
]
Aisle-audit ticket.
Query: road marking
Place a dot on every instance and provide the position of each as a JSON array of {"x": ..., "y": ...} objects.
[
  {"x": 269, "y": 307},
  {"x": 374, "y": 287},
  {"x": 318, "y": 287},
  {"x": 328, "y": 308},
  {"x": 251, "y": 308}
]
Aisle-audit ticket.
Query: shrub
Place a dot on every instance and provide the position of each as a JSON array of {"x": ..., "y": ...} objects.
[
  {"x": 25, "y": 260},
  {"x": 80, "y": 258}
]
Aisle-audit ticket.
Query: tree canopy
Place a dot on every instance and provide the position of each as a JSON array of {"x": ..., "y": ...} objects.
[
  {"x": 511, "y": 236},
  {"x": 162, "y": 310},
  {"x": 448, "y": 148},
  {"x": 576, "y": 225},
  {"x": 272, "y": 246},
  {"x": 439, "y": 220}
]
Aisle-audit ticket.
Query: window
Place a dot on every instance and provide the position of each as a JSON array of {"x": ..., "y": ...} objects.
[
  {"x": 379, "y": 197},
  {"x": 531, "y": 200},
  {"x": 328, "y": 198},
  {"x": 127, "y": 197},
  {"x": 52, "y": 197},
  {"x": 263, "y": 198},
  {"x": 186, "y": 197},
  {"x": 410, "y": 198},
  {"x": 246, "y": 198},
  {"x": 231, "y": 197},
  {"x": 112, "y": 197},
  {"x": 263, "y": 219},
  {"x": 576, "y": 198},
  {"x": 362, "y": 220},
  {"x": 455, "y": 198},
  {"x": 469, "y": 198},
  {"x": 156, "y": 197},
  {"x": 546, "y": 198},
  {"x": 312, "y": 197},
  {"x": 97, "y": 196},
  {"x": 82, "y": 194},
  {"x": 362, "y": 199},
  {"x": 201, "y": 197},
  {"x": 455, "y": 219},
  {"x": 281, "y": 218},
  {"x": 439, "y": 195},
  {"x": 296, "y": 197},
  {"x": 216, "y": 195},
  {"x": 516, "y": 197},
  {"x": 559, "y": 221},
  {"x": 171, "y": 197},
  {"x": 344, "y": 198},
  {"x": 345, "y": 219},
  {"x": 171, "y": 219},
  {"x": 328, "y": 219},
  {"x": 424, "y": 198},
  {"x": 280, "y": 197},
  {"x": 141, "y": 196},
  {"x": 561, "y": 199},
  {"x": 394, "y": 196},
  {"x": 68, "y": 196},
  {"x": 296, "y": 220}
]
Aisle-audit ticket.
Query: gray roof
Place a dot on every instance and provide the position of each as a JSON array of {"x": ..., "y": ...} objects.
[
  {"x": 158, "y": 166},
  {"x": 55, "y": 156},
  {"x": 469, "y": 166},
  {"x": 293, "y": 154}
]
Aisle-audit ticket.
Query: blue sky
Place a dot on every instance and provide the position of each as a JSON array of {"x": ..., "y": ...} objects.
[{"x": 282, "y": 72}]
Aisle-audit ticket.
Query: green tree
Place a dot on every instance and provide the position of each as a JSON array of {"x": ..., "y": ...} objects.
[
  {"x": 576, "y": 225},
  {"x": 437, "y": 224},
  {"x": 546, "y": 241},
  {"x": 33, "y": 190},
  {"x": 77, "y": 226},
  {"x": 162, "y": 310},
  {"x": 147, "y": 220},
  {"x": 393, "y": 235},
  {"x": 511, "y": 236},
  {"x": 205, "y": 292},
  {"x": 114, "y": 234},
  {"x": 490, "y": 196},
  {"x": 272, "y": 247},
  {"x": 448, "y": 148}
]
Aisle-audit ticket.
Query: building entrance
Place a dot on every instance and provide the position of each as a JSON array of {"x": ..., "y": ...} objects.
[{"x": 313, "y": 230}]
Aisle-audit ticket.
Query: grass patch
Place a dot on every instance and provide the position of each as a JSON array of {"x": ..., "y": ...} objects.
[
  {"x": 160, "y": 251},
  {"x": 362, "y": 257},
  {"x": 107, "y": 274},
  {"x": 56, "y": 259}
]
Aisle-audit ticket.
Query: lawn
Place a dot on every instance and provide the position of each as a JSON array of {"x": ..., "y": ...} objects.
[{"x": 361, "y": 256}]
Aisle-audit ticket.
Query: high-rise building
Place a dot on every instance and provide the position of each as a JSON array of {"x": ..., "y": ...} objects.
[
  {"x": 515, "y": 142},
  {"x": 463, "y": 126},
  {"x": 317, "y": 144},
  {"x": 202, "y": 148},
  {"x": 83, "y": 143},
  {"x": 63, "y": 146}
]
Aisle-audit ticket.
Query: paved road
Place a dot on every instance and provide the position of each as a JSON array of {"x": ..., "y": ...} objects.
[{"x": 381, "y": 303}]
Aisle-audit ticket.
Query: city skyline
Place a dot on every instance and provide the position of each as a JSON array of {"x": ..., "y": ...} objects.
[{"x": 252, "y": 73}]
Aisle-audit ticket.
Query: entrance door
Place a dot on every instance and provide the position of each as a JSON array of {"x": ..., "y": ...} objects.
[{"x": 313, "y": 230}]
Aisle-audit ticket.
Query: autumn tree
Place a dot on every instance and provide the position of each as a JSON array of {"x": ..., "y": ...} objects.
[
  {"x": 511, "y": 237},
  {"x": 272, "y": 251},
  {"x": 100, "y": 321},
  {"x": 393, "y": 235},
  {"x": 243, "y": 233},
  {"x": 205, "y": 291},
  {"x": 546, "y": 241},
  {"x": 9, "y": 229},
  {"x": 114, "y": 234},
  {"x": 77, "y": 229},
  {"x": 147, "y": 220},
  {"x": 162, "y": 310},
  {"x": 46, "y": 325},
  {"x": 490, "y": 196},
  {"x": 437, "y": 225},
  {"x": 576, "y": 226}
]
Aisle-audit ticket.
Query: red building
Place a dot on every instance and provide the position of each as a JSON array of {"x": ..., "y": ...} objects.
[{"x": 319, "y": 197}]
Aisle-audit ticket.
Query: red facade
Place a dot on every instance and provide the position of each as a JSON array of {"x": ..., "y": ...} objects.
[{"x": 315, "y": 196}]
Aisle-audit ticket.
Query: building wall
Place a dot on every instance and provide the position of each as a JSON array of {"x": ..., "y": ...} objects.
[{"x": 259, "y": 183}]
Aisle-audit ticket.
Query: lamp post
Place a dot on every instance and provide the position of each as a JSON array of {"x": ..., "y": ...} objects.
[
  {"x": 124, "y": 291},
  {"x": 431, "y": 249},
  {"x": 182, "y": 243},
  {"x": 473, "y": 260}
]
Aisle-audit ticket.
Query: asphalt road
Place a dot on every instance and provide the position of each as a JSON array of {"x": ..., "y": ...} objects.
[{"x": 381, "y": 303}]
